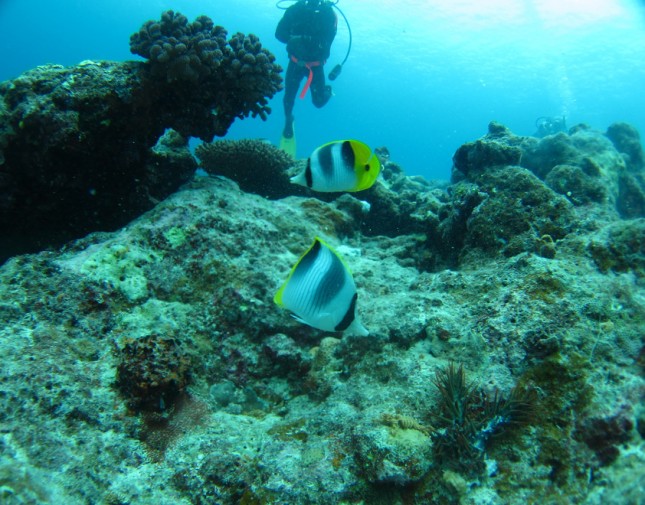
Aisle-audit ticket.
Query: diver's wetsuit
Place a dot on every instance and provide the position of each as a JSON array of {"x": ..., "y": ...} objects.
[{"x": 308, "y": 28}]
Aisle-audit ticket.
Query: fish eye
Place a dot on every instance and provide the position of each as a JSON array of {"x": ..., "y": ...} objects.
[{"x": 367, "y": 168}]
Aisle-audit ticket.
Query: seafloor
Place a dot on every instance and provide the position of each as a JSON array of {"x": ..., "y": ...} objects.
[{"x": 150, "y": 365}]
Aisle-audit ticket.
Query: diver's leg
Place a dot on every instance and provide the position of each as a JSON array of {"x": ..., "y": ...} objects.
[
  {"x": 320, "y": 92},
  {"x": 292, "y": 83}
]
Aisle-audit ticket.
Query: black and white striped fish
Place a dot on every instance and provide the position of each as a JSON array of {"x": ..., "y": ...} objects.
[
  {"x": 343, "y": 165},
  {"x": 320, "y": 291}
]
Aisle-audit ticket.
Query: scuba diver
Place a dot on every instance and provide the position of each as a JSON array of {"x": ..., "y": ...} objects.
[
  {"x": 308, "y": 27},
  {"x": 549, "y": 125}
]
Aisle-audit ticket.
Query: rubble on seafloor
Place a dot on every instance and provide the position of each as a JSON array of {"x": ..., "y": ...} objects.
[{"x": 150, "y": 365}]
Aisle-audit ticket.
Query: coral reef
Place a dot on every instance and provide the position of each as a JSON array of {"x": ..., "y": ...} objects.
[
  {"x": 498, "y": 206},
  {"x": 84, "y": 137},
  {"x": 587, "y": 166},
  {"x": 78, "y": 138},
  {"x": 399, "y": 205},
  {"x": 517, "y": 209},
  {"x": 150, "y": 365}
]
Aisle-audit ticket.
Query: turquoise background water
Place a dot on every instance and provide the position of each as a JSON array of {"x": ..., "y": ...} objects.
[{"x": 423, "y": 77}]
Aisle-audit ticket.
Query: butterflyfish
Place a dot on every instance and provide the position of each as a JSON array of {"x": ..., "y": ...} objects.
[
  {"x": 320, "y": 291},
  {"x": 343, "y": 165}
]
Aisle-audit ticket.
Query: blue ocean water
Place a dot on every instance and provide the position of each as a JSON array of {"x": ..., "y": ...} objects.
[{"x": 423, "y": 76}]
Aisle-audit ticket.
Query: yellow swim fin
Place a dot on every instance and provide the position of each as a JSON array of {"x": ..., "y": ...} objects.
[{"x": 288, "y": 144}]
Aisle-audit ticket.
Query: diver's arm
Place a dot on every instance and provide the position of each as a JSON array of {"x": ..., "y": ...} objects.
[{"x": 283, "y": 30}]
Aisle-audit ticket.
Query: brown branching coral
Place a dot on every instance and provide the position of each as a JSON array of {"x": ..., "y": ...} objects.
[
  {"x": 180, "y": 50},
  {"x": 257, "y": 166},
  {"x": 202, "y": 70}
]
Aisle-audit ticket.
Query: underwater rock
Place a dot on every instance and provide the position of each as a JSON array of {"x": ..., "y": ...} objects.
[
  {"x": 397, "y": 454},
  {"x": 620, "y": 247},
  {"x": 395, "y": 205},
  {"x": 75, "y": 154},
  {"x": 576, "y": 185},
  {"x": 589, "y": 167},
  {"x": 285, "y": 357},
  {"x": 631, "y": 195},
  {"x": 604, "y": 435},
  {"x": 494, "y": 206},
  {"x": 169, "y": 164},
  {"x": 324, "y": 369},
  {"x": 454, "y": 215},
  {"x": 509, "y": 211},
  {"x": 400, "y": 205},
  {"x": 627, "y": 141},
  {"x": 541, "y": 156},
  {"x": 152, "y": 372},
  {"x": 495, "y": 149}
]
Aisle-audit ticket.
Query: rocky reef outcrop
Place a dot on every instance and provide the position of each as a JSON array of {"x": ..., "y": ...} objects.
[
  {"x": 77, "y": 144},
  {"x": 505, "y": 357},
  {"x": 554, "y": 187}
]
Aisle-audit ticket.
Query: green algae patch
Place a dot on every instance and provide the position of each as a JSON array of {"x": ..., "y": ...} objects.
[
  {"x": 156, "y": 316},
  {"x": 175, "y": 236},
  {"x": 564, "y": 394},
  {"x": 122, "y": 265},
  {"x": 545, "y": 286}
]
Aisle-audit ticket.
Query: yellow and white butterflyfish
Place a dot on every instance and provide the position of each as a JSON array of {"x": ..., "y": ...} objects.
[
  {"x": 342, "y": 165},
  {"x": 320, "y": 291}
]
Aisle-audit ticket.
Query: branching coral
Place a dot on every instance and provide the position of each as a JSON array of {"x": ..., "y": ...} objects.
[
  {"x": 216, "y": 80},
  {"x": 181, "y": 50},
  {"x": 257, "y": 166}
]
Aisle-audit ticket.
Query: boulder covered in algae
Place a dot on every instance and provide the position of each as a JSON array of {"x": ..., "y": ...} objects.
[{"x": 150, "y": 364}]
